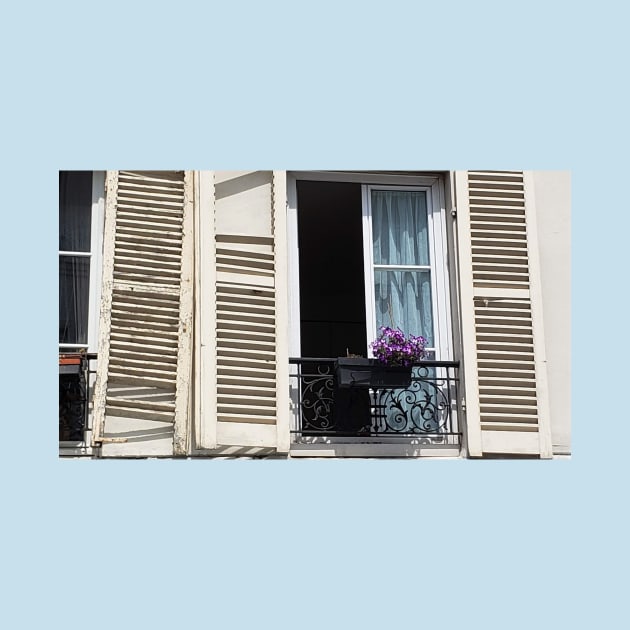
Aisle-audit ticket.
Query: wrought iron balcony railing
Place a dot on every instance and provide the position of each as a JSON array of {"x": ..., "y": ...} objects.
[
  {"x": 74, "y": 395},
  {"x": 425, "y": 412}
]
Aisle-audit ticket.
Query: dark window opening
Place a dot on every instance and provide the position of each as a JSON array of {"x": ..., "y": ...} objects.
[{"x": 332, "y": 285}]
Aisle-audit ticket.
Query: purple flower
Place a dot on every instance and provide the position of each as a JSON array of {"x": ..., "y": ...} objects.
[{"x": 393, "y": 348}]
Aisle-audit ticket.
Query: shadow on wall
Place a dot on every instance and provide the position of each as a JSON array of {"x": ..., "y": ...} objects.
[{"x": 241, "y": 184}]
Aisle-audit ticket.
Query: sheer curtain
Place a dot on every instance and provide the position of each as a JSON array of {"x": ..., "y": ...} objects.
[
  {"x": 75, "y": 216},
  {"x": 74, "y": 290},
  {"x": 400, "y": 239},
  {"x": 402, "y": 295}
]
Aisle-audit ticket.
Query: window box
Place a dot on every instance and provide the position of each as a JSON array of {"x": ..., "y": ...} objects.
[
  {"x": 360, "y": 372},
  {"x": 71, "y": 363}
]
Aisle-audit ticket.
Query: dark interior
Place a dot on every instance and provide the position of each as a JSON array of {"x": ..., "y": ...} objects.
[{"x": 332, "y": 287}]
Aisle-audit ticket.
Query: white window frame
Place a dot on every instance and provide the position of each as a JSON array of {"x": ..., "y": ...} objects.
[
  {"x": 443, "y": 323},
  {"x": 95, "y": 255},
  {"x": 440, "y": 303}
]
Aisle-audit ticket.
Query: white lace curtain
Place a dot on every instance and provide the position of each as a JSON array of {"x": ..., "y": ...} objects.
[{"x": 401, "y": 240}]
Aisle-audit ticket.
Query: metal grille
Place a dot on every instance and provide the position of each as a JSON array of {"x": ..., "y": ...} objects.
[{"x": 424, "y": 412}]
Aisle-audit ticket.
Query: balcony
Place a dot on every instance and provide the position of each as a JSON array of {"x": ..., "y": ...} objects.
[
  {"x": 75, "y": 374},
  {"x": 425, "y": 413}
]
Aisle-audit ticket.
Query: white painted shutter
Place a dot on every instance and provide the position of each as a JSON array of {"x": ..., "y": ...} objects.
[
  {"x": 141, "y": 402},
  {"x": 502, "y": 327},
  {"x": 244, "y": 391}
]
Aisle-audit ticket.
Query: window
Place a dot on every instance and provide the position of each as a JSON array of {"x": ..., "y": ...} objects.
[
  {"x": 405, "y": 264},
  {"x": 81, "y": 198},
  {"x": 369, "y": 250},
  {"x": 80, "y": 235}
]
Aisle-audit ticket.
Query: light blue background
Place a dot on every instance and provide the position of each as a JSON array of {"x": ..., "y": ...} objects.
[{"x": 312, "y": 544}]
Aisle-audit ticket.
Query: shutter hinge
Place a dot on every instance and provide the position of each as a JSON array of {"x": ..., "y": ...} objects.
[
  {"x": 463, "y": 404},
  {"x": 454, "y": 212}
]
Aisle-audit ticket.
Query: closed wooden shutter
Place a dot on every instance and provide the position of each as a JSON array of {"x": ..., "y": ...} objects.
[
  {"x": 244, "y": 394},
  {"x": 141, "y": 403},
  {"x": 502, "y": 326}
]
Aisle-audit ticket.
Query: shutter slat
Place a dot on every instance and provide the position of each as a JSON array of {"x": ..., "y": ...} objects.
[
  {"x": 149, "y": 363},
  {"x": 244, "y": 418},
  {"x": 148, "y": 241},
  {"x": 254, "y": 320},
  {"x": 268, "y": 347},
  {"x": 123, "y": 378},
  {"x": 152, "y": 259},
  {"x": 142, "y": 355},
  {"x": 245, "y": 379},
  {"x": 144, "y": 191},
  {"x": 150, "y": 232},
  {"x": 241, "y": 390},
  {"x": 503, "y": 425},
  {"x": 115, "y": 409}
]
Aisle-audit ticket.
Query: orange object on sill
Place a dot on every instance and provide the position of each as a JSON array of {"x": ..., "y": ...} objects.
[{"x": 70, "y": 359}]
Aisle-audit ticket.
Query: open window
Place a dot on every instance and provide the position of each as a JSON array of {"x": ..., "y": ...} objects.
[
  {"x": 81, "y": 199},
  {"x": 368, "y": 250},
  {"x": 369, "y": 254}
]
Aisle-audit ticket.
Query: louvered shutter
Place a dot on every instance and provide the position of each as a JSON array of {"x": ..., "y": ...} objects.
[
  {"x": 141, "y": 402},
  {"x": 502, "y": 327},
  {"x": 243, "y": 393}
]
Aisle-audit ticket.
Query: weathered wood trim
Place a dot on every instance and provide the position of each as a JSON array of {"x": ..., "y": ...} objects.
[
  {"x": 207, "y": 316},
  {"x": 184, "y": 359},
  {"x": 96, "y": 257},
  {"x": 469, "y": 345},
  {"x": 246, "y": 434},
  {"x": 196, "y": 394},
  {"x": 100, "y": 387},
  {"x": 282, "y": 310},
  {"x": 538, "y": 329}
]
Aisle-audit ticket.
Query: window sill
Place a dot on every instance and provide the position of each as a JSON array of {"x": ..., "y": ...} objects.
[
  {"x": 386, "y": 450},
  {"x": 75, "y": 449}
]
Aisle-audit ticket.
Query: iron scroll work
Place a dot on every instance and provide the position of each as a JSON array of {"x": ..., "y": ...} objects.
[
  {"x": 424, "y": 412},
  {"x": 74, "y": 395}
]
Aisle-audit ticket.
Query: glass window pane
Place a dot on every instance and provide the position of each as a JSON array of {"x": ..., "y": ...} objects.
[
  {"x": 400, "y": 227},
  {"x": 75, "y": 210},
  {"x": 74, "y": 288},
  {"x": 403, "y": 300}
]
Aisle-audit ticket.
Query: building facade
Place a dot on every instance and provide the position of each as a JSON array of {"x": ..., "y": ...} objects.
[{"x": 203, "y": 313}]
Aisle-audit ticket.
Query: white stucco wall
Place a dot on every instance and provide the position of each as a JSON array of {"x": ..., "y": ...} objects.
[{"x": 553, "y": 205}]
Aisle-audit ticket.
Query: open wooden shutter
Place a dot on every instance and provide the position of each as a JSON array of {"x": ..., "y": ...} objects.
[
  {"x": 141, "y": 401},
  {"x": 243, "y": 402},
  {"x": 502, "y": 326}
]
